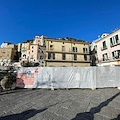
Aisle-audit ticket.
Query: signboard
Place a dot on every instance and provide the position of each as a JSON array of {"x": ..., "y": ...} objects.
[{"x": 25, "y": 78}]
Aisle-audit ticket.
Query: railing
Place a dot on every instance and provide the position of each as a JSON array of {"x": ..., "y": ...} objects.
[
  {"x": 109, "y": 59},
  {"x": 103, "y": 48},
  {"x": 66, "y": 51},
  {"x": 3, "y": 51},
  {"x": 117, "y": 43}
]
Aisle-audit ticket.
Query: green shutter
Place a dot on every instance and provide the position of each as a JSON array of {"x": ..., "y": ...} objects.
[
  {"x": 111, "y": 41},
  {"x": 116, "y": 37},
  {"x": 53, "y": 55},
  {"x": 113, "y": 54},
  {"x": 104, "y": 44},
  {"x": 49, "y": 55},
  {"x": 63, "y": 56}
]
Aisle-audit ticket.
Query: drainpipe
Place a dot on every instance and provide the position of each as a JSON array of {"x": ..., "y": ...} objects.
[{"x": 71, "y": 54}]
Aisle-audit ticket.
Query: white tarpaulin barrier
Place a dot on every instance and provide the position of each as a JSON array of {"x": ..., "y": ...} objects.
[{"x": 68, "y": 77}]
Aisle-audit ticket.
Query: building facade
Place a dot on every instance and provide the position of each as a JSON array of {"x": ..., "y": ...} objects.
[
  {"x": 107, "y": 49},
  {"x": 7, "y": 53},
  {"x": 25, "y": 51},
  {"x": 65, "y": 53},
  {"x": 40, "y": 40},
  {"x": 37, "y": 54}
]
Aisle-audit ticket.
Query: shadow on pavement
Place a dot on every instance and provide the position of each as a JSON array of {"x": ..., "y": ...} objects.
[
  {"x": 90, "y": 115},
  {"x": 13, "y": 91},
  {"x": 23, "y": 116}
]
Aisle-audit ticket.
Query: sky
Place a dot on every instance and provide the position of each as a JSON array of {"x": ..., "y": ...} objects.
[{"x": 81, "y": 19}]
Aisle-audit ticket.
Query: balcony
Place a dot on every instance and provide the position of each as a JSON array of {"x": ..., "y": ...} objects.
[
  {"x": 109, "y": 60},
  {"x": 117, "y": 43},
  {"x": 3, "y": 51},
  {"x": 74, "y": 61},
  {"x": 67, "y": 52},
  {"x": 103, "y": 48}
]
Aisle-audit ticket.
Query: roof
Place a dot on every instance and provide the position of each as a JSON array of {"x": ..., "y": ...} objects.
[
  {"x": 68, "y": 41},
  {"x": 99, "y": 39}
]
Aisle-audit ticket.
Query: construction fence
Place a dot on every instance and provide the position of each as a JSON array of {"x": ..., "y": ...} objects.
[{"x": 68, "y": 77}]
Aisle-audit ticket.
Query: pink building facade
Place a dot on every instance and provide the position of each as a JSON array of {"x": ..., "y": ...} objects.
[
  {"x": 37, "y": 54},
  {"x": 107, "y": 49}
]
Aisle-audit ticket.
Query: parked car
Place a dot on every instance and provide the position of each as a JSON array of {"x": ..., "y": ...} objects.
[{"x": 12, "y": 71}]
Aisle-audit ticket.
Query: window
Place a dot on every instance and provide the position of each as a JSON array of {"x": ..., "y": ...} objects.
[
  {"x": 74, "y": 43},
  {"x": 51, "y": 47},
  {"x": 32, "y": 50},
  {"x": 51, "y": 55},
  {"x": 116, "y": 54},
  {"x": 63, "y": 42},
  {"x": 38, "y": 40},
  {"x": 84, "y": 50},
  {"x": 8, "y": 50},
  {"x": 3, "y": 55},
  {"x": 51, "y": 41},
  {"x": 24, "y": 56},
  {"x": 63, "y": 56},
  {"x": 40, "y": 57},
  {"x": 63, "y": 48},
  {"x": 32, "y": 47},
  {"x": 85, "y": 57},
  {"x": 104, "y": 45},
  {"x": 75, "y": 57},
  {"x": 95, "y": 47},
  {"x": 3, "y": 50},
  {"x": 31, "y": 56},
  {"x": 105, "y": 57},
  {"x": 114, "y": 40},
  {"x": 8, "y": 55},
  {"x": 74, "y": 49}
]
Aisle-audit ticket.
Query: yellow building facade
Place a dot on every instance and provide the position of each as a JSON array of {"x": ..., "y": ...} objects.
[
  {"x": 7, "y": 53},
  {"x": 63, "y": 53},
  {"x": 19, "y": 47}
]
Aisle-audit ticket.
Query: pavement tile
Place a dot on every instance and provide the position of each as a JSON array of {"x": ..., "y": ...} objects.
[{"x": 73, "y": 104}]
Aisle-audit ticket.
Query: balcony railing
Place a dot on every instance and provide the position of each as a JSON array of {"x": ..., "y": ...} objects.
[
  {"x": 3, "y": 51},
  {"x": 117, "y": 43},
  {"x": 109, "y": 60},
  {"x": 103, "y": 48},
  {"x": 66, "y": 52}
]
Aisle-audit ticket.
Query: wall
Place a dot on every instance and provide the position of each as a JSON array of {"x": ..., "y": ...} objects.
[
  {"x": 68, "y": 77},
  {"x": 69, "y": 61},
  {"x": 109, "y": 50}
]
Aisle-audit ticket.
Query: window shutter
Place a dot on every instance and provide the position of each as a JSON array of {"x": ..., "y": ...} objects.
[
  {"x": 111, "y": 41},
  {"x": 73, "y": 49},
  {"x": 113, "y": 54},
  {"x": 116, "y": 37},
  {"x": 104, "y": 44},
  {"x": 76, "y": 49},
  {"x": 49, "y": 55},
  {"x": 53, "y": 55}
]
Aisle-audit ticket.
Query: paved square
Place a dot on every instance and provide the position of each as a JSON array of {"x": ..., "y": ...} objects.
[{"x": 73, "y": 104}]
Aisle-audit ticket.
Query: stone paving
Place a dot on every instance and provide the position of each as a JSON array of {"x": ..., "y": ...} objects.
[{"x": 73, "y": 104}]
